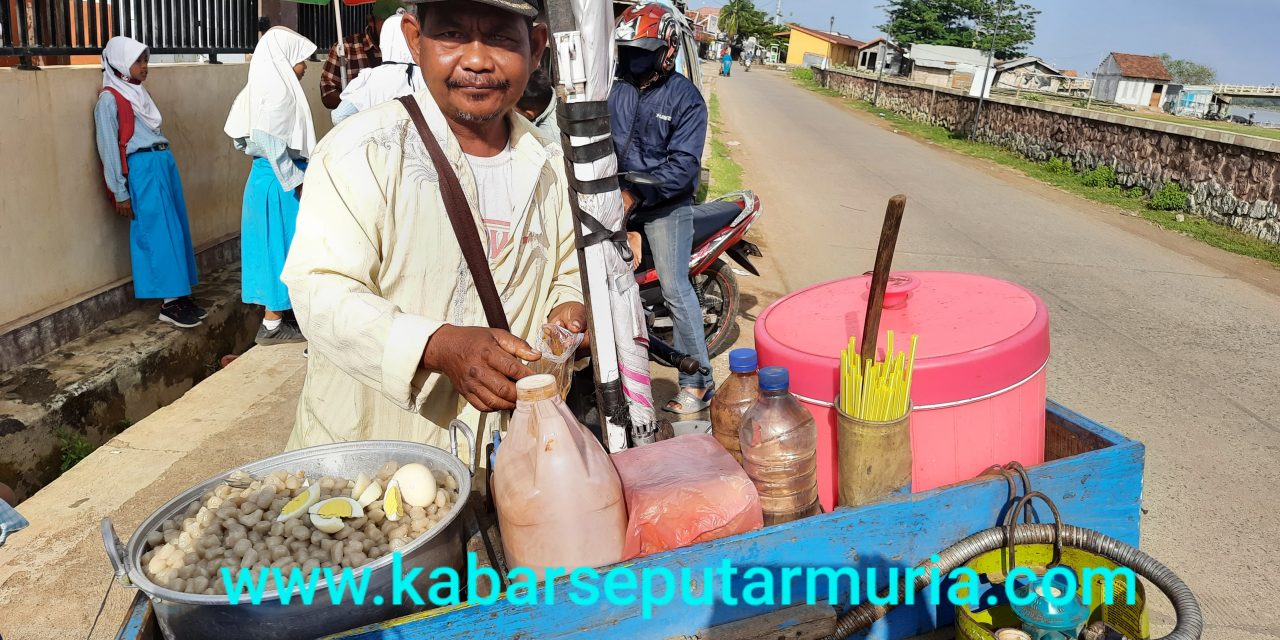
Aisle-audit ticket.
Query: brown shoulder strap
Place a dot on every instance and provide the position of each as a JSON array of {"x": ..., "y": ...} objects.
[{"x": 464, "y": 225}]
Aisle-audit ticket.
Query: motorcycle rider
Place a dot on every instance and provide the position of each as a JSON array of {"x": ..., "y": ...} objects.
[{"x": 659, "y": 128}]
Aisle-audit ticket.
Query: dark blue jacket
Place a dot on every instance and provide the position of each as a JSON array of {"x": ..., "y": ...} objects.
[{"x": 660, "y": 132}]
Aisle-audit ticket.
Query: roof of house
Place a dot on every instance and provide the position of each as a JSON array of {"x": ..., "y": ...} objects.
[
  {"x": 1136, "y": 66},
  {"x": 1071, "y": 73},
  {"x": 1020, "y": 62},
  {"x": 936, "y": 55},
  {"x": 878, "y": 41},
  {"x": 834, "y": 38}
]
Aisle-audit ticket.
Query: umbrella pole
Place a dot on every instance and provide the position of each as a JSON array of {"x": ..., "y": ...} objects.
[
  {"x": 611, "y": 399},
  {"x": 342, "y": 47}
]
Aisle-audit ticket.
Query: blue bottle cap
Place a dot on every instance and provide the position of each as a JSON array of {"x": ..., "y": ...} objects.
[
  {"x": 774, "y": 379},
  {"x": 742, "y": 361}
]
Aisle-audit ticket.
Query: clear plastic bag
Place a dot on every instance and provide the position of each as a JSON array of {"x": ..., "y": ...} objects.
[
  {"x": 558, "y": 346},
  {"x": 684, "y": 491}
]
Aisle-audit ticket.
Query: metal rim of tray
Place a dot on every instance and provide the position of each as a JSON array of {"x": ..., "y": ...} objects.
[{"x": 131, "y": 559}]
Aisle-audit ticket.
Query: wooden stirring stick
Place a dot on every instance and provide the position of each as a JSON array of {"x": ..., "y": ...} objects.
[{"x": 880, "y": 277}]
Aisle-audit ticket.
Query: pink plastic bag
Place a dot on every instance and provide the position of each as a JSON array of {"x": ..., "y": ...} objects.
[{"x": 684, "y": 491}]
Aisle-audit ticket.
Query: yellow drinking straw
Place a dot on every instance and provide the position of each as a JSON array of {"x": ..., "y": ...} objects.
[{"x": 876, "y": 390}]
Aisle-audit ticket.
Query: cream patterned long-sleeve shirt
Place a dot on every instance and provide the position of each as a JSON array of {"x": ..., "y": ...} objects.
[{"x": 375, "y": 269}]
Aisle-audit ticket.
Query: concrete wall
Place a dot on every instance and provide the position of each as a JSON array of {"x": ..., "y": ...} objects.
[
  {"x": 60, "y": 241},
  {"x": 1232, "y": 179},
  {"x": 931, "y": 76}
]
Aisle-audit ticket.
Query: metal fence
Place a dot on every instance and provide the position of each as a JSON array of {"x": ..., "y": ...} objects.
[
  {"x": 79, "y": 27},
  {"x": 317, "y": 22}
]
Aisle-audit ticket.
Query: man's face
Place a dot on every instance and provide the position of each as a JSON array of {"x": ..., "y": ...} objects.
[{"x": 475, "y": 58}]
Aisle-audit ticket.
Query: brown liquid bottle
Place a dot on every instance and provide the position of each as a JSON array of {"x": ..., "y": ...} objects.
[
  {"x": 731, "y": 401},
  {"x": 779, "y": 441},
  {"x": 558, "y": 496}
]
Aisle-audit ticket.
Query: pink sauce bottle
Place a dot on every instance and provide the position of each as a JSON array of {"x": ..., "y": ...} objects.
[{"x": 558, "y": 496}]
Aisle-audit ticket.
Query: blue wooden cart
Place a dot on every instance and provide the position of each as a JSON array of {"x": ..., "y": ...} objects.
[{"x": 1092, "y": 473}]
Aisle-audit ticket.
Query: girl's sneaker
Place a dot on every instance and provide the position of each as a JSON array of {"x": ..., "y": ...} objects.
[
  {"x": 285, "y": 333},
  {"x": 193, "y": 307},
  {"x": 179, "y": 315}
]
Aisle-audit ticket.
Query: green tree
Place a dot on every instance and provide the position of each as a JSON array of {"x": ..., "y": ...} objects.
[
  {"x": 963, "y": 23},
  {"x": 740, "y": 19},
  {"x": 1188, "y": 72}
]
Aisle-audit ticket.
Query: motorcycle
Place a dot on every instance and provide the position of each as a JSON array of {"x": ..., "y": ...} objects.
[
  {"x": 719, "y": 229},
  {"x": 746, "y": 64}
]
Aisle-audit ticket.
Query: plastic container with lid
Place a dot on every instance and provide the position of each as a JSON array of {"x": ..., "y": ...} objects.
[
  {"x": 732, "y": 400},
  {"x": 559, "y": 498},
  {"x": 979, "y": 386}
]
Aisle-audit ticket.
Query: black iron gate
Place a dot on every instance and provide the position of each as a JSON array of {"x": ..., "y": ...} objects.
[{"x": 79, "y": 27}]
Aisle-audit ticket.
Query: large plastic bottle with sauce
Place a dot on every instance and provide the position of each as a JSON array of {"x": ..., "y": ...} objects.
[
  {"x": 779, "y": 443},
  {"x": 558, "y": 496},
  {"x": 739, "y": 391}
]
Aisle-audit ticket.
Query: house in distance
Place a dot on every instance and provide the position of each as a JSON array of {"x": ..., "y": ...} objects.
[{"x": 1126, "y": 78}]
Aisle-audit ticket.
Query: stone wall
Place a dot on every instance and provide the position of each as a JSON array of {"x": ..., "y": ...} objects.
[{"x": 1232, "y": 179}]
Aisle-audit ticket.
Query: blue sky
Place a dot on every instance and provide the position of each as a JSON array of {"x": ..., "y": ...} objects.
[{"x": 1239, "y": 38}]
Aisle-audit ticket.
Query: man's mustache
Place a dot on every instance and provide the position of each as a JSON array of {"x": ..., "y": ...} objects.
[{"x": 478, "y": 82}]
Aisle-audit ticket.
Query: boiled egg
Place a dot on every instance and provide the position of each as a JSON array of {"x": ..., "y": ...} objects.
[
  {"x": 393, "y": 502},
  {"x": 327, "y": 515},
  {"x": 417, "y": 485},
  {"x": 300, "y": 504}
]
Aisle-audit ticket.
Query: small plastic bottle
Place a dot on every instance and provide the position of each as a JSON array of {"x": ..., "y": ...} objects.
[
  {"x": 779, "y": 441},
  {"x": 734, "y": 398}
]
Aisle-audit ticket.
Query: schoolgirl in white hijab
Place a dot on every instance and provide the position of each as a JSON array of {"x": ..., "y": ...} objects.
[
  {"x": 273, "y": 100},
  {"x": 117, "y": 59},
  {"x": 396, "y": 76},
  {"x": 271, "y": 121},
  {"x": 142, "y": 178}
]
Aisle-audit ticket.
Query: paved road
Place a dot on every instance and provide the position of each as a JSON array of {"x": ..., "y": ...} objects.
[{"x": 1167, "y": 341}]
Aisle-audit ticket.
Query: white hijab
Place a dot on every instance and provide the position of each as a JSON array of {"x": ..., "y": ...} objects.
[
  {"x": 396, "y": 76},
  {"x": 119, "y": 55},
  {"x": 273, "y": 100}
]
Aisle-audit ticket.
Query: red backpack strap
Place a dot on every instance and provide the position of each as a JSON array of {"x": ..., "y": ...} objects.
[{"x": 124, "y": 115}]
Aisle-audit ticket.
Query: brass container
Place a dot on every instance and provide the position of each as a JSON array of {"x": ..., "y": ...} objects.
[{"x": 874, "y": 458}]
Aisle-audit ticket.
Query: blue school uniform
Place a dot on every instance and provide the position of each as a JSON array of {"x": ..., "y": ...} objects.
[
  {"x": 268, "y": 218},
  {"x": 164, "y": 264}
]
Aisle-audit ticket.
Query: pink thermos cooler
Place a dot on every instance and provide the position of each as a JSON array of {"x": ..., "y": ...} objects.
[{"x": 979, "y": 386}]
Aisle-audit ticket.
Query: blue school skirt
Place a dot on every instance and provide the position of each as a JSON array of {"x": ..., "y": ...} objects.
[
  {"x": 164, "y": 266},
  {"x": 268, "y": 219}
]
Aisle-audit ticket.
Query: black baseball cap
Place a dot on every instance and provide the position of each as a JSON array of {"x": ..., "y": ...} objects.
[{"x": 526, "y": 8}]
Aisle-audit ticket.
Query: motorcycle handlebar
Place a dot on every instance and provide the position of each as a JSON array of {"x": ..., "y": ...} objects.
[{"x": 666, "y": 354}]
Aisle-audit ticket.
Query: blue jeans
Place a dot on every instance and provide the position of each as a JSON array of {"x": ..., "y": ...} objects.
[{"x": 669, "y": 232}]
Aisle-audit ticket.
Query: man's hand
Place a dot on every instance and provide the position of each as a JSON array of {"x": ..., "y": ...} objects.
[
  {"x": 331, "y": 99},
  {"x": 124, "y": 209},
  {"x": 482, "y": 364},
  {"x": 629, "y": 201},
  {"x": 636, "y": 242},
  {"x": 572, "y": 316}
]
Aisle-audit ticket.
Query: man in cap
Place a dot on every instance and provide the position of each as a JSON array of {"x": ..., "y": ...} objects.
[
  {"x": 400, "y": 344},
  {"x": 362, "y": 52}
]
